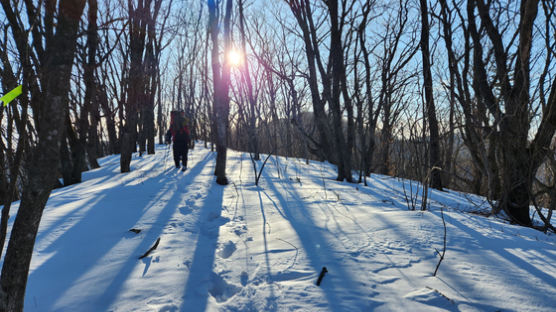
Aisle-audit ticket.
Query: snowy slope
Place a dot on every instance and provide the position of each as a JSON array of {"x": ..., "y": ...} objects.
[{"x": 260, "y": 248}]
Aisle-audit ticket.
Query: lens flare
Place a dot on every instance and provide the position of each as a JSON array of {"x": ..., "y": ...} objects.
[{"x": 235, "y": 58}]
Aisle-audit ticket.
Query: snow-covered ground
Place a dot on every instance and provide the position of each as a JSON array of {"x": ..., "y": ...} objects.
[{"x": 261, "y": 248}]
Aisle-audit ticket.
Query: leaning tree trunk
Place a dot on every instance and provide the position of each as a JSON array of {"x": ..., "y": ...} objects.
[{"x": 57, "y": 66}]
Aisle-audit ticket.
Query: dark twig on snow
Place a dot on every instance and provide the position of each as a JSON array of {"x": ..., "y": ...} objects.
[
  {"x": 136, "y": 231},
  {"x": 322, "y": 272},
  {"x": 151, "y": 249},
  {"x": 258, "y": 175},
  {"x": 444, "y": 249}
]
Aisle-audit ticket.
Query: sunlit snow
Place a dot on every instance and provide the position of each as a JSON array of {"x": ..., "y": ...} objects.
[{"x": 243, "y": 247}]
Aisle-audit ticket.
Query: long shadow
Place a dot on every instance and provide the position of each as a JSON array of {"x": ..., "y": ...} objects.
[
  {"x": 99, "y": 174},
  {"x": 62, "y": 221},
  {"x": 59, "y": 197},
  {"x": 500, "y": 246},
  {"x": 119, "y": 210},
  {"x": 271, "y": 300},
  {"x": 382, "y": 222},
  {"x": 111, "y": 291},
  {"x": 449, "y": 197},
  {"x": 200, "y": 281},
  {"x": 319, "y": 253},
  {"x": 382, "y": 203},
  {"x": 388, "y": 203}
]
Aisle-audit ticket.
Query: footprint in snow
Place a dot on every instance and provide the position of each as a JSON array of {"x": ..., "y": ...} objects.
[
  {"x": 244, "y": 277},
  {"x": 228, "y": 249},
  {"x": 220, "y": 289},
  {"x": 240, "y": 229}
]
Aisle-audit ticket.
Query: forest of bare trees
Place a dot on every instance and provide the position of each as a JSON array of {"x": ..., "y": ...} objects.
[{"x": 457, "y": 94}]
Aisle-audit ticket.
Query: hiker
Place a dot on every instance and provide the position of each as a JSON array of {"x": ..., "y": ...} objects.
[{"x": 181, "y": 139}]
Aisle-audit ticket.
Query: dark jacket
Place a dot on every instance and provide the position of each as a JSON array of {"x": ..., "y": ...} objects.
[{"x": 180, "y": 135}]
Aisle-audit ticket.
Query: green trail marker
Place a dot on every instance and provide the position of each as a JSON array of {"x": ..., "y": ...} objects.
[{"x": 11, "y": 95}]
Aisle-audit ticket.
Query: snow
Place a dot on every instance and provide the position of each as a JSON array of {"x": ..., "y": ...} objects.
[{"x": 243, "y": 247}]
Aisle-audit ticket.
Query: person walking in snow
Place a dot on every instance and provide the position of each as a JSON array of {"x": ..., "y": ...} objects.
[{"x": 181, "y": 140}]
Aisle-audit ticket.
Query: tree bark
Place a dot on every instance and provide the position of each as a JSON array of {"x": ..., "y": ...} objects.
[
  {"x": 343, "y": 153},
  {"x": 435, "y": 163},
  {"x": 137, "y": 28},
  {"x": 221, "y": 81},
  {"x": 91, "y": 101}
]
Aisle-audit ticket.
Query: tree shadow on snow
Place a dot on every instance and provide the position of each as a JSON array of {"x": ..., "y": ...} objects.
[
  {"x": 202, "y": 281},
  {"x": 105, "y": 225},
  {"x": 340, "y": 289},
  {"x": 496, "y": 250}
]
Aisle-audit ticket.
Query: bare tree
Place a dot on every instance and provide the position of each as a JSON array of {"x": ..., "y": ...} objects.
[
  {"x": 221, "y": 83},
  {"x": 394, "y": 78},
  {"x": 519, "y": 158},
  {"x": 251, "y": 98},
  {"x": 141, "y": 87},
  {"x": 11, "y": 163},
  {"x": 303, "y": 14},
  {"x": 333, "y": 143},
  {"x": 91, "y": 104},
  {"x": 55, "y": 48},
  {"x": 434, "y": 157}
]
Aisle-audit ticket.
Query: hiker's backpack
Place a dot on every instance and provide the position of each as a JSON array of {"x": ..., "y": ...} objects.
[
  {"x": 181, "y": 134},
  {"x": 178, "y": 127}
]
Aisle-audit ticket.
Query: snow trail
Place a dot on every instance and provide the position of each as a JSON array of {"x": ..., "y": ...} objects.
[{"x": 243, "y": 247}]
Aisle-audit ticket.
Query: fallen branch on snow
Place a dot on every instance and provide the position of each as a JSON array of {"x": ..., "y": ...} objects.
[
  {"x": 324, "y": 271},
  {"x": 151, "y": 249},
  {"x": 444, "y": 249}
]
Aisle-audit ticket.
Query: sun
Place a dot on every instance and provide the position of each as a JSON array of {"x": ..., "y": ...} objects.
[{"x": 235, "y": 58}]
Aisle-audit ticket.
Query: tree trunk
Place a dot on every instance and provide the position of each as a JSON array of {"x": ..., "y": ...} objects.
[
  {"x": 91, "y": 102},
  {"x": 110, "y": 123},
  {"x": 303, "y": 15},
  {"x": 386, "y": 138},
  {"x": 221, "y": 79},
  {"x": 343, "y": 149},
  {"x": 518, "y": 167},
  {"x": 149, "y": 124},
  {"x": 434, "y": 150},
  {"x": 77, "y": 152},
  {"x": 65, "y": 161},
  {"x": 253, "y": 140},
  {"x": 159, "y": 122},
  {"x": 57, "y": 68},
  {"x": 136, "y": 85}
]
